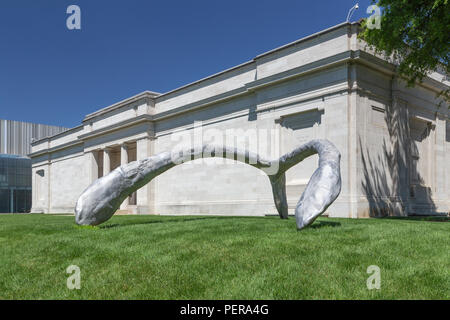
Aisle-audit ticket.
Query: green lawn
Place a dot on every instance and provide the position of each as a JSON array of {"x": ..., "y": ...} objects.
[{"x": 208, "y": 257}]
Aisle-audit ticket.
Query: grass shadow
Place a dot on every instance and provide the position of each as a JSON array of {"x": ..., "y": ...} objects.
[
  {"x": 321, "y": 224},
  {"x": 166, "y": 219},
  {"x": 116, "y": 225},
  {"x": 421, "y": 218}
]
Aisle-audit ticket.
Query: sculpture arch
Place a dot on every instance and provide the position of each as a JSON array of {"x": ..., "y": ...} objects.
[{"x": 103, "y": 197}]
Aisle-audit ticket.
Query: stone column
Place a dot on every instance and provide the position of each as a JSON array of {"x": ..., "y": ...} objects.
[
  {"x": 92, "y": 163},
  {"x": 106, "y": 161},
  {"x": 145, "y": 195},
  {"x": 123, "y": 154},
  {"x": 124, "y": 160}
]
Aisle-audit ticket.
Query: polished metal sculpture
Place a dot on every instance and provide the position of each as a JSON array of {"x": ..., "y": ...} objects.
[{"x": 104, "y": 196}]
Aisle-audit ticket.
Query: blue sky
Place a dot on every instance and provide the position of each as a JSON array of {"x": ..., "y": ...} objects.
[{"x": 52, "y": 75}]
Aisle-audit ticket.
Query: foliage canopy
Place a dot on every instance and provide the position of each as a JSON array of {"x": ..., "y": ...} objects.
[{"x": 416, "y": 33}]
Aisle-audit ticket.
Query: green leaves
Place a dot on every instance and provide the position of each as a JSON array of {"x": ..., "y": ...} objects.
[{"x": 415, "y": 31}]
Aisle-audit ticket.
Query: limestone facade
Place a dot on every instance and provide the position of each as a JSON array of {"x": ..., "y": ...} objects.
[{"x": 394, "y": 140}]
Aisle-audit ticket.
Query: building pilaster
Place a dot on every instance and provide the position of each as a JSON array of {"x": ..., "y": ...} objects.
[{"x": 123, "y": 161}]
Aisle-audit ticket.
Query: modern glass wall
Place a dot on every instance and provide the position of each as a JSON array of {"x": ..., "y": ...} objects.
[
  {"x": 15, "y": 168},
  {"x": 15, "y": 184}
]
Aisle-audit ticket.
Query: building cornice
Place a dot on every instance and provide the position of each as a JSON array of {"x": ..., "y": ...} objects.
[
  {"x": 316, "y": 66},
  {"x": 389, "y": 69},
  {"x": 55, "y": 148},
  {"x": 307, "y": 38},
  {"x": 36, "y": 142},
  {"x": 117, "y": 105},
  {"x": 116, "y": 126}
]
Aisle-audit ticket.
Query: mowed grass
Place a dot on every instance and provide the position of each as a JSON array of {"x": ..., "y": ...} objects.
[{"x": 209, "y": 257}]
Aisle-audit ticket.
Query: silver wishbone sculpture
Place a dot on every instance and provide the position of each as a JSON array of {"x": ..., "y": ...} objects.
[{"x": 104, "y": 196}]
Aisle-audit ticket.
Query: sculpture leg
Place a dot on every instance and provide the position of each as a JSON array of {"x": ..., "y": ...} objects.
[{"x": 278, "y": 183}]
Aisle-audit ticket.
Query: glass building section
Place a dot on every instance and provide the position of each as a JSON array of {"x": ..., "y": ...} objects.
[
  {"x": 15, "y": 184},
  {"x": 15, "y": 166}
]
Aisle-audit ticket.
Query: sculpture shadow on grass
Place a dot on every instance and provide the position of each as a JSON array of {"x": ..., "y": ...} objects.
[
  {"x": 322, "y": 224},
  {"x": 104, "y": 196},
  {"x": 134, "y": 223},
  {"x": 316, "y": 225}
]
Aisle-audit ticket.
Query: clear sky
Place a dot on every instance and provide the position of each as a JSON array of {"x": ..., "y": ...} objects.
[{"x": 52, "y": 75}]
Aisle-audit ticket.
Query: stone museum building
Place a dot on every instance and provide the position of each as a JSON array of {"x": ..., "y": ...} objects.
[
  {"x": 394, "y": 140},
  {"x": 15, "y": 166}
]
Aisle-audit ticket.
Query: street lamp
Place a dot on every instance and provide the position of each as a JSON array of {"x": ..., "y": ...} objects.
[{"x": 351, "y": 11}]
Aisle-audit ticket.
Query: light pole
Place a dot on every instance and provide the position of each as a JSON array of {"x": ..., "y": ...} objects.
[{"x": 351, "y": 11}]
